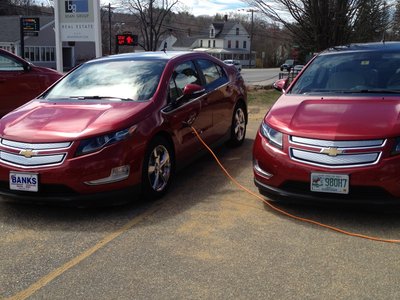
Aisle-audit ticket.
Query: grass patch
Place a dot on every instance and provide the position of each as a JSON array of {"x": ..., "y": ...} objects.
[{"x": 262, "y": 97}]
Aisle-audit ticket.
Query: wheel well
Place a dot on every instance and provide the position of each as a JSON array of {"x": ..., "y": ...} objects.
[
  {"x": 168, "y": 138},
  {"x": 243, "y": 103}
]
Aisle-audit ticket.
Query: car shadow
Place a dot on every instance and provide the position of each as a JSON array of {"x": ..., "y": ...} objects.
[{"x": 190, "y": 186}]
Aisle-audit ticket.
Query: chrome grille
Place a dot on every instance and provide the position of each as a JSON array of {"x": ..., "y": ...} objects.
[
  {"x": 336, "y": 154},
  {"x": 31, "y": 155}
]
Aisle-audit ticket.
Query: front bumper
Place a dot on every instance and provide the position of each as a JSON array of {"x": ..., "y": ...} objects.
[{"x": 279, "y": 177}]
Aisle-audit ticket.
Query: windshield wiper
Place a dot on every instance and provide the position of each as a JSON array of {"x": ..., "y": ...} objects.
[
  {"x": 99, "y": 97},
  {"x": 375, "y": 91}
]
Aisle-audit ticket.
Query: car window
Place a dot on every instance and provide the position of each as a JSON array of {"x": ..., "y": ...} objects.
[
  {"x": 8, "y": 64},
  {"x": 126, "y": 79},
  {"x": 182, "y": 75},
  {"x": 351, "y": 73},
  {"x": 213, "y": 73}
]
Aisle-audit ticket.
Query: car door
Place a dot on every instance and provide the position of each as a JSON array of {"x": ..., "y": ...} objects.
[
  {"x": 182, "y": 112},
  {"x": 218, "y": 97},
  {"x": 18, "y": 84}
]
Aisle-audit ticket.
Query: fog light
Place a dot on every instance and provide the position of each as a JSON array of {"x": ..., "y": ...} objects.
[
  {"x": 117, "y": 174},
  {"x": 260, "y": 171}
]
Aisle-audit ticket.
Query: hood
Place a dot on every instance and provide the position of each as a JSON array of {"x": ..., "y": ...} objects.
[
  {"x": 336, "y": 118},
  {"x": 40, "y": 121}
]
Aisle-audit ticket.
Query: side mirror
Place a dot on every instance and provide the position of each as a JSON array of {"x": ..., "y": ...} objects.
[
  {"x": 192, "y": 90},
  {"x": 280, "y": 84}
]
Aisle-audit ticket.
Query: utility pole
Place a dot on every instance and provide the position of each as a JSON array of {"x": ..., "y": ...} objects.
[
  {"x": 251, "y": 34},
  {"x": 252, "y": 11},
  {"x": 109, "y": 27}
]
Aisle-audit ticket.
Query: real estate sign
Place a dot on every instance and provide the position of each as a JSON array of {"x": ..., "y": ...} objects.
[{"x": 77, "y": 20}]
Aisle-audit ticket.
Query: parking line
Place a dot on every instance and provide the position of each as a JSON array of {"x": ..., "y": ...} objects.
[{"x": 73, "y": 262}]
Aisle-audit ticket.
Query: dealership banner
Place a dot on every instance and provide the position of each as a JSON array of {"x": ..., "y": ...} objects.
[{"x": 77, "y": 20}]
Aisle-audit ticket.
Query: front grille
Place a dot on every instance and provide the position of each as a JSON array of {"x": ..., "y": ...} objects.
[
  {"x": 336, "y": 154},
  {"x": 32, "y": 155}
]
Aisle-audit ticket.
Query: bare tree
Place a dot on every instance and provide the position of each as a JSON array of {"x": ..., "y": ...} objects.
[
  {"x": 151, "y": 16},
  {"x": 318, "y": 24}
]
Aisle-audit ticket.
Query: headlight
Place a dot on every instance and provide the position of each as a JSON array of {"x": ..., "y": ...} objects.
[
  {"x": 98, "y": 142},
  {"x": 274, "y": 137},
  {"x": 396, "y": 148}
]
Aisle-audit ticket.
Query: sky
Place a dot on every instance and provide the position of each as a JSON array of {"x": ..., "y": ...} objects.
[
  {"x": 205, "y": 7},
  {"x": 212, "y": 7}
]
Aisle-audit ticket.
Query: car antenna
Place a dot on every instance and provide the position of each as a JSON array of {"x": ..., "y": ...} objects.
[{"x": 165, "y": 48}]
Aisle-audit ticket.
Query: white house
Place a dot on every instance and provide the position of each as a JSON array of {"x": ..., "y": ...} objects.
[{"x": 226, "y": 40}]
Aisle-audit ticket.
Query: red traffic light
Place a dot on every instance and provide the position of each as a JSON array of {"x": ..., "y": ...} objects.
[{"x": 126, "y": 39}]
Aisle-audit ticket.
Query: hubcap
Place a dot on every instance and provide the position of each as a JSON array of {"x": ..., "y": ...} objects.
[
  {"x": 159, "y": 169},
  {"x": 240, "y": 124}
]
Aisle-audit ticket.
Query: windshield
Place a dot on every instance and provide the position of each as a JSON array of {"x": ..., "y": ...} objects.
[
  {"x": 114, "y": 79},
  {"x": 351, "y": 72}
]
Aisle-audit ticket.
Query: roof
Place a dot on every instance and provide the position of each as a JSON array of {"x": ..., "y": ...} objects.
[
  {"x": 156, "y": 55},
  {"x": 10, "y": 28},
  {"x": 222, "y": 29},
  {"x": 389, "y": 46}
]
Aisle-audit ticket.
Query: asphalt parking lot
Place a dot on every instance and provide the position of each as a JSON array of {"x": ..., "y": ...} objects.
[{"x": 205, "y": 240}]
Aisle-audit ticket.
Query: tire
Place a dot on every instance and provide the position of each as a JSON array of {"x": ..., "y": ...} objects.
[
  {"x": 238, "y": 127},
  {"x": 158, "y": 168}
]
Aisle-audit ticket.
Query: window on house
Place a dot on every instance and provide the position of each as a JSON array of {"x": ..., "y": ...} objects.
[
  {"x": 213, "y": 43},
  {"x": 229, "y": 44},
  {"x": 209, "y": 44},
  {"x": 212, "y": 32},
  {"x": 244, "y": 44},
  {"x": 237, "y": 31},
  {"x": 201, "y": 43},
  {"x": 39, "y": 54},
  {"x": 237, "y": 44}
]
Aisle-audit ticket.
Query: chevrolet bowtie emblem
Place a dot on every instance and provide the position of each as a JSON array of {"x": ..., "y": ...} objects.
[
  {"x": 331, "y": 151},
  {"x": 27, "y": 153}
]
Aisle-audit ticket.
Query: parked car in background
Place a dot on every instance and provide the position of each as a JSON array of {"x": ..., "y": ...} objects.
[
  {"x": 21, "y": 81},
  {"x": 232, "y": 62},
  {"x": 334, "y": 134},
  {"x": 298, "y": 68},
  {"x": 119, "y": 125},
  {"x": 288, "y": 65}
]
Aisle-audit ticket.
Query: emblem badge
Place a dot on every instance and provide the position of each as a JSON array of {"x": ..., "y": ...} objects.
[{"x": 331, "y": 151}]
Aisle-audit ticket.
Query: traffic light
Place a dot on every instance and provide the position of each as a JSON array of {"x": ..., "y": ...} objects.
[{"x": 127, "y": 39}]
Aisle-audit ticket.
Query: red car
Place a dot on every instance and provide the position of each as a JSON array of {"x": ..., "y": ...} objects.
[
  {"x": 334, "y": 134},
  {"x": 119, "y": 124},
  {"x": 21, "y": 81}
]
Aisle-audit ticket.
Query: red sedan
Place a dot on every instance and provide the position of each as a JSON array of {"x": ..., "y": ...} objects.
[
  {"x": 334, "y": 134},
  {"x": 21, "y": 81},
  {"x": 119, "y": 124}
]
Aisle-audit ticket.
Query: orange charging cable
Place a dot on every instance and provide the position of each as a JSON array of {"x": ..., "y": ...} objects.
[{"x": 377, "y": 239}]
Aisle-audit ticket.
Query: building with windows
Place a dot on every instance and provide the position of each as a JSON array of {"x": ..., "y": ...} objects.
[
  {"x": 226, "y": 40},
  {"x": 40, "y": 49}
]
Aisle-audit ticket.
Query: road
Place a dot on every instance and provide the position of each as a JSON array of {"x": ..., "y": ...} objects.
[
  {"x": 204, "y": 240},
  {"x": 260, "y": 76}
]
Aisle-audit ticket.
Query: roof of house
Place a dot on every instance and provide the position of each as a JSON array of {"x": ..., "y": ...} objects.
[
  {"x": 10, "y": 27},
  {"x": 223, "y": 28}
]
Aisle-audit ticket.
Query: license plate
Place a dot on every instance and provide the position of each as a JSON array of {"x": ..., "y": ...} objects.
[
  {"x": 330, "y": 183},
  {"x": 24, "y": 182}
]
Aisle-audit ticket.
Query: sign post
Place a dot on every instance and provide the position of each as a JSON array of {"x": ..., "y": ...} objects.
[
  {"x": 28, "y": 26},
  {"x": 125, "y": 39}
]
